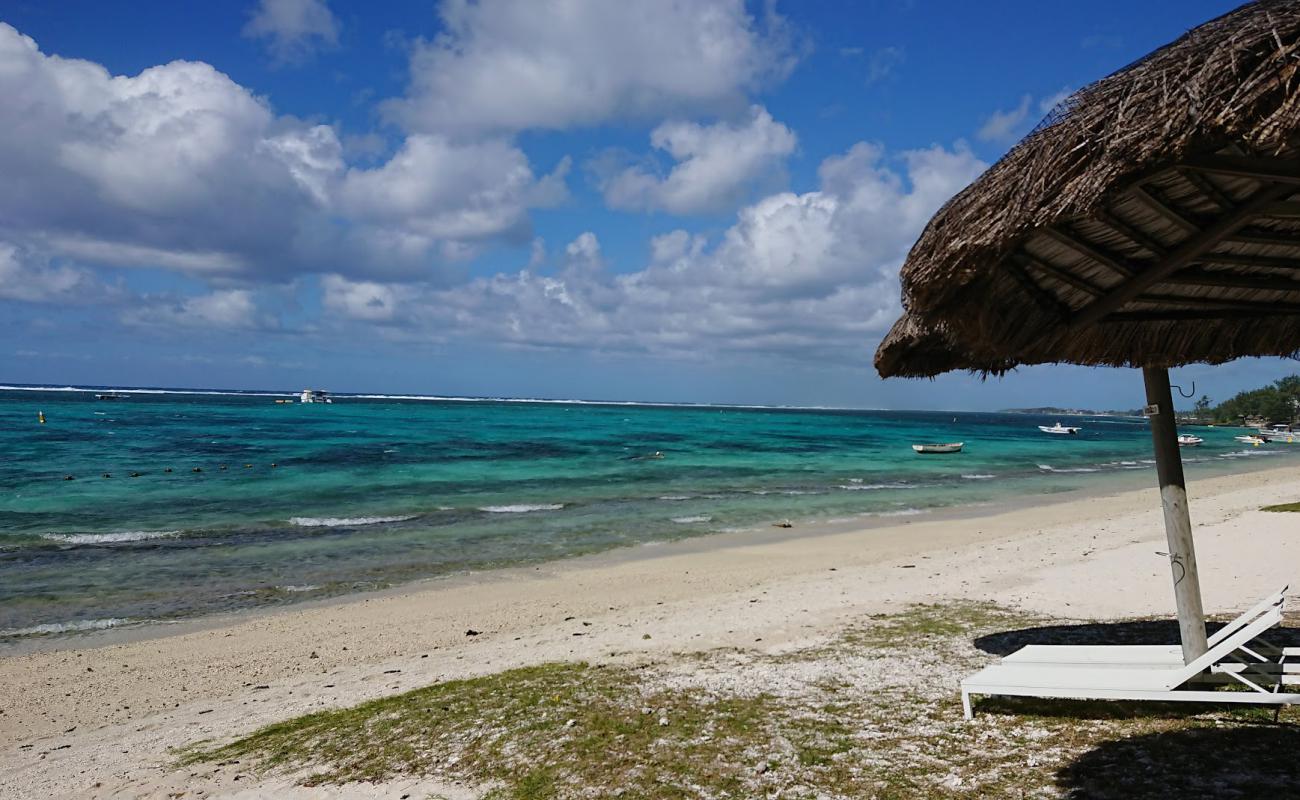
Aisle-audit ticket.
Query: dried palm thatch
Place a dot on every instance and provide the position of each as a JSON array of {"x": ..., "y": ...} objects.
[{"x": 1150, "y": 220}]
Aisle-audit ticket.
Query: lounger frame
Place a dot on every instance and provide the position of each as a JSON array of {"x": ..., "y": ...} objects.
[{"x": 1237, "y": 655}]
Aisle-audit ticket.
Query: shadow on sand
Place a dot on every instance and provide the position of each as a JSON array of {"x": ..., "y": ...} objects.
[
  {"x": 1236, "y": 761},
  {"x": 1005, "y": 643}
]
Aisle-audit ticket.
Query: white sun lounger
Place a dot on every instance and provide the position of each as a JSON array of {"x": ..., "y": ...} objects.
[
  {"x": 1154, "y": 654},
  {"x": 1230, "y": 659}
]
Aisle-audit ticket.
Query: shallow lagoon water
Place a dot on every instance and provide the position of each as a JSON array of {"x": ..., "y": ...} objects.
[{"x": 304, "y": 501}]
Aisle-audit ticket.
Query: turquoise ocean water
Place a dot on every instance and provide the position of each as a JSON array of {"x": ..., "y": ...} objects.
[{"x": 372, "y": 491}]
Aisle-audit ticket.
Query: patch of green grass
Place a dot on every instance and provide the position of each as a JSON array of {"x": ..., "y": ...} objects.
[
  {"x": 539, "y": 732},
  {"x": 874, "y": 713},
  {"x": 924, "y": 623},
  {"x": 1282, "y": 507}
]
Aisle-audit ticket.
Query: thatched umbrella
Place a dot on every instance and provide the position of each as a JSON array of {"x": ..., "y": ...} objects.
[{"x": 1151, "y": 220}]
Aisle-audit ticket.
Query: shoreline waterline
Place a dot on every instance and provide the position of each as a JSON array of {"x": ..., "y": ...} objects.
[
  {"x": 1089, "y": 558},
  {"x": 167, "y": 508},
  {"x": 808, "y": 532}
]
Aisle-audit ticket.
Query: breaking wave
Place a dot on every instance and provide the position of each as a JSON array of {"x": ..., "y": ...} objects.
[{"x": 345, "y": 522}]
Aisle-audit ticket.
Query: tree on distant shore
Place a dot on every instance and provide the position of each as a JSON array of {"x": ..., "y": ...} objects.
[
  {"x": 1276, "y": 403},
  {"x": 1202, "y": 407}
]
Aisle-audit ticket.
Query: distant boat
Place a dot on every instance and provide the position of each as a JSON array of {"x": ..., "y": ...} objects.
[
  {"x": 1059, "y": 429},
  {"x": 111, "y": 396},
  {"x": 935, "y": 449},
  {"x": 1188, "y": 440},
  {"x": 314, "y": 396},
  {"x": 1250, "y": 439},
  {"x": 1279, "y": 432}
]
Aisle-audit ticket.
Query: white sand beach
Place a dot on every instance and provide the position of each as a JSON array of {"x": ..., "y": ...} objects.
[{"x": 99, "y": 717}]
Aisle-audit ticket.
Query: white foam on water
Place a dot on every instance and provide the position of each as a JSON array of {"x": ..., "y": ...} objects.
[
  {"x": 975, "y": 476},
  {"x": 345, "y": 522},
  {"x": 72, "y": 626},
  {"x": 902, "y": 512},
  {"x": 115, "y": 537},
  {"x": 306, "y": 587},
  {"x": 689, "y": 520},
  {"x": 870, "y": 487},
  {"x": 522, "y": 508},
  {"x": 1050, "y": 468},
  {"x": 1248, "y": 453},
  {"x": 674, "y": 497}
]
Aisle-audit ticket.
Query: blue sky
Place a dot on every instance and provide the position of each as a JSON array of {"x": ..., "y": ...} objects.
[{"x": 698, "y": 201}]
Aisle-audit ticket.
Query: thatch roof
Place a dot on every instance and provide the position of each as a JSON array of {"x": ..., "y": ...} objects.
[{"x": 1150, "y": 220}]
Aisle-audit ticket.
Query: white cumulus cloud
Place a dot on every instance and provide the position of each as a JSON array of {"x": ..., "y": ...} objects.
[
  {"x": 230, "y": 309},
  {"x": 28, "y": 278},
  {"x": 512, "y": 65},
  {"x": 715, "y": 165},
  {"x": 1005, "y": 127},
  {"x": 183, "y": 169},
  {"x": 441, "y": 190},
  {"x": 293, "y": 29},
  {"x": 363, "y": 300},
  {"x": 802, "y": 275}
]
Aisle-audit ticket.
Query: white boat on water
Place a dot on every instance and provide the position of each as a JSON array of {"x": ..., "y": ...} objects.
[
  {"x": 314, "y": 396},
  {"x": 935, "y": 449},
  {"x": 1188, "y": 440},
  {"x": 1251, "y": 439},
  {"x": 1059, "y": 429},
  {"x": 1279, "y": 432}
]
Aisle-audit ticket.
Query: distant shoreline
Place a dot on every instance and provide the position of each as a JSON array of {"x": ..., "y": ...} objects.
[{"x": 156, "y": 390}]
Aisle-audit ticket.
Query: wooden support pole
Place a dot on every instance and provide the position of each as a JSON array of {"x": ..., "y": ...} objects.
[{"x": 1178, "y": 523}]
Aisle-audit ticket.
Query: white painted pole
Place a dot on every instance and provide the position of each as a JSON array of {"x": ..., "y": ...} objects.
[{"x": 1178, "y": 523}]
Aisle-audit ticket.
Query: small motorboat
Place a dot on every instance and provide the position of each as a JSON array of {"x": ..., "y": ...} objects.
[
  {"x": 1253, "y": 440},
  {"x": 111, "y": 396},
  {"x": 1059, "y": 429},
  {"x": 936, "y": 449},
  {"x": 1280, "y": 432},
  {"x": 1188, "y": 440}
]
